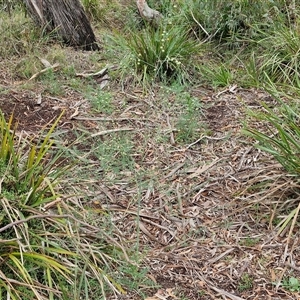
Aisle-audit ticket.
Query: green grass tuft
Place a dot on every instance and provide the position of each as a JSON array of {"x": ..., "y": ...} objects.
[
  {"x": 164, "y": 54},
  {"x": 47, "y": 250}
]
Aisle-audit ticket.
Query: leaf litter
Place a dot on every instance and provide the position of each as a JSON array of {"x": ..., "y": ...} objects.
[{"x": 204, "y": 211}]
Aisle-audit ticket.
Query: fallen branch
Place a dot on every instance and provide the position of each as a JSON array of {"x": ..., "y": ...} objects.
[
  {"x": 96, "y": 74},
  {"x": 53, "y": 67}
]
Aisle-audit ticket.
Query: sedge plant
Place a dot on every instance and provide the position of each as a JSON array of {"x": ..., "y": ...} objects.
[
  {"x": 47, "y": 249},
  {"x": 282, "y": 62},
  {"x": 280, "y": 138},
  {"x": 164, "y": 53},
  {"x": 25, "y": 170}
]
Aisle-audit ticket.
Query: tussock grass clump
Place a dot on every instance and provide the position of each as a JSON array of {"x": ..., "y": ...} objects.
[
  {"x": 281, "y": 138},
  {"x": 15, "y": 32},
  {"x": 230, "y": 23},
  {"x": 217, "y": 75},
  {"x": 48, "y": 250},
  {"x": 280, "y": 58},
  {"x": 19, "y": 35},
  {"x": 112, "y": 14},
  {"x": 25, "y": 172},
  {"x": 163, "y": 54},
  {"x": 93, "y": 9}
]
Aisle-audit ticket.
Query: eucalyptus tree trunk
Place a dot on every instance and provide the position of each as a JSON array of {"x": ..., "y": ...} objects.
[{"x": 67, "y": 18}]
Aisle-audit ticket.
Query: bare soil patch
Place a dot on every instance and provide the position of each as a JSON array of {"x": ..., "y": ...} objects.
[{"x": 27, "y": 113}]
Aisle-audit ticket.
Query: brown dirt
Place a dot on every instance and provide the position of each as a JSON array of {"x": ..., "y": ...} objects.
[
  {"x": 203, "y": 219},
  {"x": 27, "y": 114}
]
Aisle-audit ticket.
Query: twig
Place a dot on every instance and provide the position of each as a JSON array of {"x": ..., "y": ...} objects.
[
  {"x": 215, "y": 259},
  {"x": 179, "y": 198},
  {"x": 172, "y": 139},
  {"x": 96, "y": 74},
  {"x": 111, "y": 131},
  {"x": 178, "y": 167},
  {"x": 199, "y": 24},
  {"x": 129, "y": 211},
  {"x": 54, "y": 68},
  {"x": 291, "y": 232},
  {"x": 225, "y": 293},
  {"x": 107, "y": 119},
  {"x": 292, "y": 266},
  {"x": 204, "y": 168},
  {"x": 206, "y": 137},
  {"x": 143, "y": 228},
  {"x": 161, "y": 227}
]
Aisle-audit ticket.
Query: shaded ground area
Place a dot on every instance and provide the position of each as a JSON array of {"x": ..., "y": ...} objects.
[
  {"x": 202, "y": 210},
  {"x": 35, "y": 110},
  {"x": 29, "y": 115}
]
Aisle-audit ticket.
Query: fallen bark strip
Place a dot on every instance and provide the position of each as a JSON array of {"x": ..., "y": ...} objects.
[
  {"x": 146, "y": 12},
  {"x": 53, "y": 67},
  {"x": 96, "y": 74},
  {"x": 111, "y": 131}
]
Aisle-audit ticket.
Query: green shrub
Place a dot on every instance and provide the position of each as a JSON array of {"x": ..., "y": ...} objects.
[
  {"x": 101, "y": 101},
  {"x": 291, "y": 284},
  {"x": 189, "y": 122}
]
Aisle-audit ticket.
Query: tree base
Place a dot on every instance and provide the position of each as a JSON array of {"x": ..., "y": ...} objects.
[{"x": 65, "y": 17}]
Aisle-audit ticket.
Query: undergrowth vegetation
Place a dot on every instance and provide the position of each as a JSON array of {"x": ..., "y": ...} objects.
[
  {"x": 48, "y": 250},
  {"x": 163, "y": 54},
  {"x": 52, "y": 243}
]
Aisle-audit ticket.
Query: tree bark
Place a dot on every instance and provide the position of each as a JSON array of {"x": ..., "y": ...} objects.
[
  {"x": 148, "y": 13},
  {"x": 67, "y": 18}
]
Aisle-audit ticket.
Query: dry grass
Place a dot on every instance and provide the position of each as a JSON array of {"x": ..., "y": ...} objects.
[{"x": 201, "y": 214}]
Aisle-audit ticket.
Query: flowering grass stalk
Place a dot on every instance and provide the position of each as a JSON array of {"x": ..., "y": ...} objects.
[{"x": 162, "y": 54}]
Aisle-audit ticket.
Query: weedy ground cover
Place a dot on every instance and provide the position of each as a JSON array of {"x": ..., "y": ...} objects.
[
  {"x": 158, "y": 159},
  {"x": 45, "y": 250}
]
